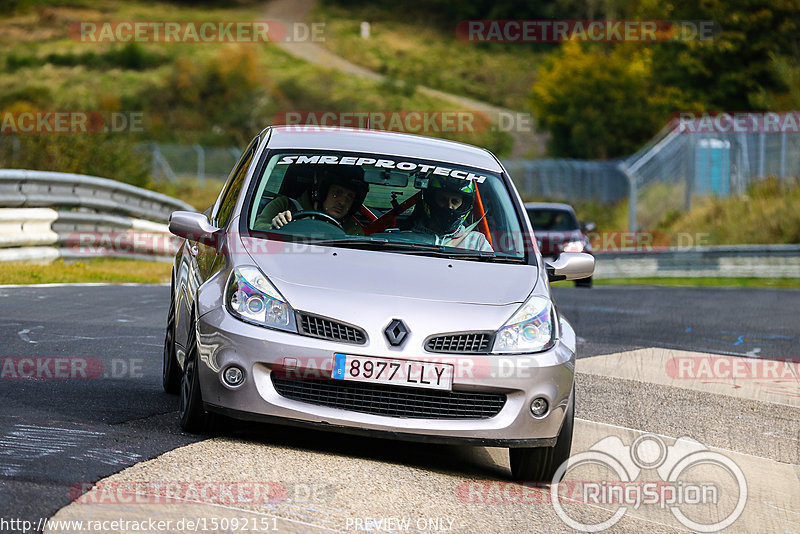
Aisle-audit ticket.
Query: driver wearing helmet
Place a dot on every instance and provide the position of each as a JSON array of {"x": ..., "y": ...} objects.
[
  {"x": 444, "y": 207},
  {"x": 337, "y": 192}
]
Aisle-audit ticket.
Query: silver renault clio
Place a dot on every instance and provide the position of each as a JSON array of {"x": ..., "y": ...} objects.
[{"x": 376, "y": 283}]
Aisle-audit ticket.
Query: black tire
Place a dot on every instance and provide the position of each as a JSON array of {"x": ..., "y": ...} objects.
[
  {"x": 170, "y": 372},
  {"x": 539, "y": 464},
  {"x": 194, "y": 418},
  {"x": 584, "y": 282}
]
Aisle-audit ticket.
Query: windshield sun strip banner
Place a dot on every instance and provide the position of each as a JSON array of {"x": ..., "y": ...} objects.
[{"x": 381, "y": 163}]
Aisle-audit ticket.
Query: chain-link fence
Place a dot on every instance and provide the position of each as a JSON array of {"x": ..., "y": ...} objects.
[
  {"x": 690, "y": 159},
  {"x": 173, "y": 162},
  {"x": 711, "y": 155},
  {"x": 568, "y": 180}
]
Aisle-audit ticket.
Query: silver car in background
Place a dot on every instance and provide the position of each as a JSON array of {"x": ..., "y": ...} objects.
[{"x": 414, "y": 307}]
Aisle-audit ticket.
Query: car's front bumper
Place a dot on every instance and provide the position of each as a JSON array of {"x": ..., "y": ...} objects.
[{"x": 224, "y": 340}]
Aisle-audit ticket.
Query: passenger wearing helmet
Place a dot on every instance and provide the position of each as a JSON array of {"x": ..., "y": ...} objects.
[
  {"x": 337, "y": 192},
  {"x": 443, "y": 209}
]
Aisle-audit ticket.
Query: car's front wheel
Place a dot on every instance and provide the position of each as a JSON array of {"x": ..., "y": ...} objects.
[
  {"x": 194, "y": 418},
  {"x": 539, "y": 464}
]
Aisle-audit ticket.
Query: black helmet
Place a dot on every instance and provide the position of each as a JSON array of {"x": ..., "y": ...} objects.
[
  {"x": 347, "y": 176},
  {"x": 441, "y": 220}
]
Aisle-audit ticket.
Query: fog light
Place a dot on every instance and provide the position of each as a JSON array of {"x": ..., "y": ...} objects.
[
  {"x": 233, "y": 376},
  {"x": 539, "y": 407}
]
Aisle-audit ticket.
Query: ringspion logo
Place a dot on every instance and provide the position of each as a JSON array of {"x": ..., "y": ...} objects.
[{"x": 688, "y": 481}]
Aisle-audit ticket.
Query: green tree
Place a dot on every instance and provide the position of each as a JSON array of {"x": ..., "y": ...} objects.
[
  {"x": 742, "y": 61},
  {"x": 600, "y": 104}
]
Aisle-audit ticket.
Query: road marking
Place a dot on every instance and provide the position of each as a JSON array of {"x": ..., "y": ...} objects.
[
  {"x": 108, "y": 456},
  {"x": 24, "y": 334},
  {"x": 29, "y": 442},
  {"x": 759, "y": 379}
]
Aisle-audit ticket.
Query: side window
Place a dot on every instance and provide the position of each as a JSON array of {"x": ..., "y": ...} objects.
[{"x": 234, "y": 187}]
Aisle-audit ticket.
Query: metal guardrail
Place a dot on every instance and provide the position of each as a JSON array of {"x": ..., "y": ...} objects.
[
  {"x": 24, "y": 188},
  {"x": 27, "y": 227},
  {"x": 47, "y": 215},
  {"x": 746, "y": 261}
]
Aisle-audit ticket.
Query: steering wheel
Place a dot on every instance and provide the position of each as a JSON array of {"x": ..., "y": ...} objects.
[
  {"x": 317, "y": 216},
  {"x": 311, "y": 214}
]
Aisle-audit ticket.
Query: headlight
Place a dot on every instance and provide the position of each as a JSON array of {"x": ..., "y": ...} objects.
[
  {"x": 530, "y": 329},
  {"x": 574, "y": 246},
  {"x": 251, "y": 297}
]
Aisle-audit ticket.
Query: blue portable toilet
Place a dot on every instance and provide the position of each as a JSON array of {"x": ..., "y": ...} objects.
[{"x": 712, "y": 167}]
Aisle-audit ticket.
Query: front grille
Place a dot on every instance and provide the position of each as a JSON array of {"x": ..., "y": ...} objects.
[
  {"x": 391, "y": 401},
  {"x": 314, "y": 326},
  {"x": 462, "y": 343}
]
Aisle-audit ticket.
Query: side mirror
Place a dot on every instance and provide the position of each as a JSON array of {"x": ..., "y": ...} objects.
[
  {"x": 194, "y": 227},
  {"x": 587, "y": 227},
  {"x": 570, "y": 266}
]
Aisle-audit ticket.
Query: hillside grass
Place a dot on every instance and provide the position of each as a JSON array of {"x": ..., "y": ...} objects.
[
  {"x": 423, "y": 54},
  {"x": 784, "y": 283},
  {"x": 208, "y": 93},
  {"x": 768, "y": 213}
]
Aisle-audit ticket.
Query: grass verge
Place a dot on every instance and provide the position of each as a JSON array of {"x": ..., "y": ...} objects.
[
  {"x": 791, "y": 283},
  {"x": 199, "y": 196},
  {"x": 111, "y": 270}
]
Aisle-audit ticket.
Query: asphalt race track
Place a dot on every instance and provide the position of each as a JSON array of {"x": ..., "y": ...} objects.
[{"x": 97, "y": 407}]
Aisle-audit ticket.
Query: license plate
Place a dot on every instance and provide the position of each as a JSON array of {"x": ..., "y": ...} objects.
[{"x": 397, "y": 372}]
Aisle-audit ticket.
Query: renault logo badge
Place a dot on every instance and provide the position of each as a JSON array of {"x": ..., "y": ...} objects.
[{"x": 396, "y": 332}]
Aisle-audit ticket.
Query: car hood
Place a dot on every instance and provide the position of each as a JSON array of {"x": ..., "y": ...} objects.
[{"x": 303, "y": 273}]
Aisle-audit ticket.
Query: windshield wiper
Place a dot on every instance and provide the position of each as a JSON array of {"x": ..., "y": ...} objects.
[
  {"x": 382, "y": 243},
  {"x": 351, "y": 241},
  {"x": 408, "y": 247}
]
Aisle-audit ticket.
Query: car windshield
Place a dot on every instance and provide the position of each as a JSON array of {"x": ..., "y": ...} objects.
[
  {"x": 391, "y": 203},
  {"x": 552, "y": 220}
]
